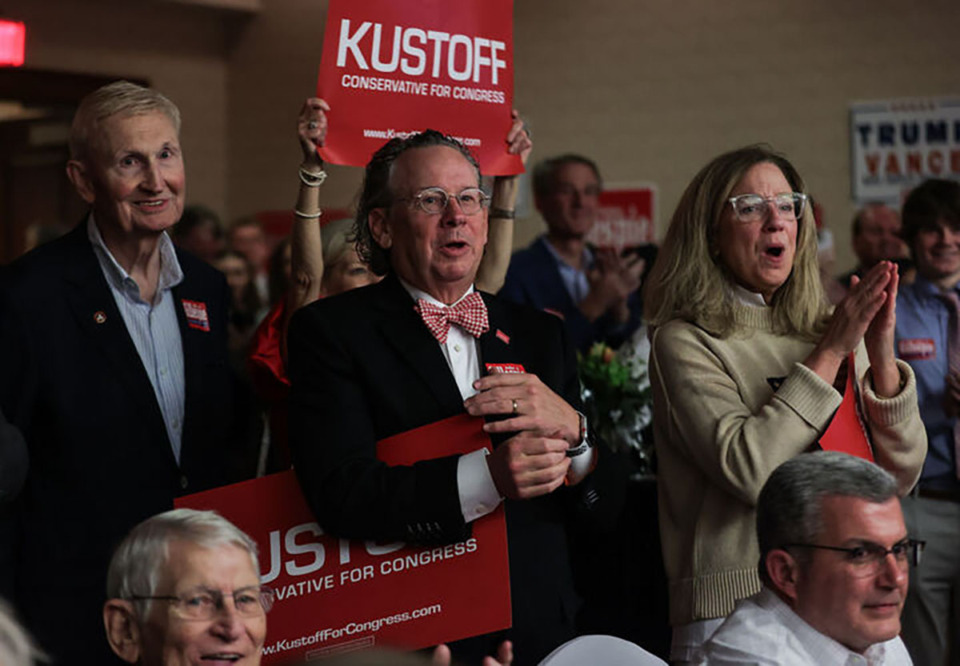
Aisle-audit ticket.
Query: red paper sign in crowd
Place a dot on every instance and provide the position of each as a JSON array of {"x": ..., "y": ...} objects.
[
  {"x": 626, "y": 217},
  {"x": 392, "y": 68},
  {"x": 335, "y": 594}
]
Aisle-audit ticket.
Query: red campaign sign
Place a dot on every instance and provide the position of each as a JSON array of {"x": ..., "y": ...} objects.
[
  {"x": 391, "y": 68},
  {"x": 626, "y": 217},
  {"x": 335, "y": 594},
  {"x": 846, "y": 432}
]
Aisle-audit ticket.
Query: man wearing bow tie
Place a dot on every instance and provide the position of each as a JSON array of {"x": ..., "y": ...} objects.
[{"x": 421, "y": 346}]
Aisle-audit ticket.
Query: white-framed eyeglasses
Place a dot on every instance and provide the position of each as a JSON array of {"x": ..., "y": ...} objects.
[
  {"x": 203, "y": 603},
  {"x": 754, "y": 208},
  {"x": 434, "y": 200}
]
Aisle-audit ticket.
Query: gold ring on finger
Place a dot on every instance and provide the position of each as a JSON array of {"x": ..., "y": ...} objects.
[{"x": 515, "y": 410}]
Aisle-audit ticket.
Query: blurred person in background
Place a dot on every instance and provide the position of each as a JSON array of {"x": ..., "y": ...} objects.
[
  {"x": 928, "y": 338},
  {"x": 200, "y": 232},
  {"x": 595, "y": 291},
  {"x": 745, "y": 364},
  {"x": 247, "y": 238},
  {"x": 246, "y": 309},
  {"x": 279, "y": 273},
  {"x": 876, "y": 237}
]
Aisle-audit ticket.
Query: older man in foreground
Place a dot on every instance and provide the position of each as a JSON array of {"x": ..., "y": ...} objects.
[
  {"x": 834, "y": 564},
  {"x": 421, "y": 346},
  {"x": 184, "y": 588}
]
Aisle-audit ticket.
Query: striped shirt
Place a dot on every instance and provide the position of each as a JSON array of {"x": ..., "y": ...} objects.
[{"x": 153, "y": 327}]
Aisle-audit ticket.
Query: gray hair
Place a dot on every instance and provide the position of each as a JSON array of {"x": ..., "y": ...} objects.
[
  {"x": 789, "y": 509},
  {"x": 16, "y": 648},
  {"x": 138, "y": 562},
  {"x": 376, "y": 189},
  {"x": 119, "y": 97},
  {"x": 544, "y": 173}
]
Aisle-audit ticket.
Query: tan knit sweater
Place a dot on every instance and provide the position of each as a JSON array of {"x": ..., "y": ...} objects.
[{"x": 721, "y": 428}]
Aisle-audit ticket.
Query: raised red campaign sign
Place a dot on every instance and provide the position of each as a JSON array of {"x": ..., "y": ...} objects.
[
  {"x": 335, "y": 594},
  {"x": 626, "y": 217},
  {"x": 393, "y": 67}
]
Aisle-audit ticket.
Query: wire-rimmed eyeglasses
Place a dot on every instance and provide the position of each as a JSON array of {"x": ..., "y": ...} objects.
[
  {"x": 867, "y": 559},
  {"x": 753, "y": 207},
  {"x": 203, "y": 603},
  {"x": 434, "y": 200}
]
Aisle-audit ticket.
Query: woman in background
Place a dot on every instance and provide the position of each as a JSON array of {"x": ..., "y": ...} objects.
[{"x": 746, "y": 363}]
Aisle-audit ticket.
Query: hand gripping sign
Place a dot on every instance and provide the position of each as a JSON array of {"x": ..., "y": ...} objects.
[
  {"x": 335, "y": 594},
  {"x": 394, "y": 67}
]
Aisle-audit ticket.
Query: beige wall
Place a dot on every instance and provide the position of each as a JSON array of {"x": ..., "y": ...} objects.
[
  {"x": 651, "y": 90},
  {"x": 273, "y": 68},
  {"x": 179, "y": 49}
]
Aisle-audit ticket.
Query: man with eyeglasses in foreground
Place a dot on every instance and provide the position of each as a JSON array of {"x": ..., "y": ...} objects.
[
  {"x": 423, "y": 345},
  {"x": 166, "y": 592},
  {"x": 183, "y": 588},
  {"x": 834, "y": 560}
]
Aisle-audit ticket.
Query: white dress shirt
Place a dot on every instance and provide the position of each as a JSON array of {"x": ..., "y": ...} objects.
[
  {"x": 478, "y": 493},
  {"x": 763, "y": 630}
]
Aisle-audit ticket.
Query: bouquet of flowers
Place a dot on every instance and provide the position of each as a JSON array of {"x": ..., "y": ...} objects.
[{"x": 615, "y": 388}]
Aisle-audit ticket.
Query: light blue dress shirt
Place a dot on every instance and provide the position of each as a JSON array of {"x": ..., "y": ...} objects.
[
  {"x": 153, "y": 327},
  {"x": 921, "y": 340}
]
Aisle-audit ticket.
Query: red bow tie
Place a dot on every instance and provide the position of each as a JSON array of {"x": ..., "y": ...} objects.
[{"x": 470, "y": 314}]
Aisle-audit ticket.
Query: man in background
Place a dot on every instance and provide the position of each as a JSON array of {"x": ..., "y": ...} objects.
[
  {"x": 248, "y": 239},
  {"x": 927, "y": 338},
  {"x": 200, "y": 232},
  {"x": 595, "y": 292},
  {"x": 876, "y": 238}
]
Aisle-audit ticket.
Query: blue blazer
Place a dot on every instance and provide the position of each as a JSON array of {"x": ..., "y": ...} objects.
[{"x": 533, "y": 279}]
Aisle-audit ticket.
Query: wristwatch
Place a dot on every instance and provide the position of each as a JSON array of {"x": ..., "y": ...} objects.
[{"x": 585, "y": 441}]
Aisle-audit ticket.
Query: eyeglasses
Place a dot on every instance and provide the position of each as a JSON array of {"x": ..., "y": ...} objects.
[
  {"x": 753, "y": 207},
  {"x": 434, "y": 200},
  {"x": 204, "y": 604},
  {"x": 868, "y": 559}
]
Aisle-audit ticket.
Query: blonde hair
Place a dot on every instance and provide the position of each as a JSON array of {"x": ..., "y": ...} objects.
[
  {"x": 119, "y": 97},
  {"x": 16, "y": 646},
  {"x": 688, "y": 280},
  {"x": 337, "y": 240}
]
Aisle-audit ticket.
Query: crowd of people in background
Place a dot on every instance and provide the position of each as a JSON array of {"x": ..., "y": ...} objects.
[{"x": 157, "y": 352}]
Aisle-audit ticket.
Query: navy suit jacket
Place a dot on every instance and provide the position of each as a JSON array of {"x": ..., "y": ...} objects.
[
  {"x": 100, "y": 458},
  {"x": 533, "y": 279},
  {"x": 364, "y": 367}
]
